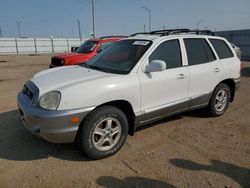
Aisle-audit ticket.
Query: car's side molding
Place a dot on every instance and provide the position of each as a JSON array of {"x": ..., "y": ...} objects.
[{"x": 167, "y": 110}]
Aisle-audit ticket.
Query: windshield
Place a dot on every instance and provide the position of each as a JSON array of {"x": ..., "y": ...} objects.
[
  {"x": 120, "y": 57},
  {"x": 87, "y": 46}
]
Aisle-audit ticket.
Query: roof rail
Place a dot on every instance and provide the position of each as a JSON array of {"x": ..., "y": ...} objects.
[
  {"x": 139, "y": 34},
  {"x": 176, "y": 31},
  {"x": 168, "y": 31},
  {"x": 112, "y": 36}
]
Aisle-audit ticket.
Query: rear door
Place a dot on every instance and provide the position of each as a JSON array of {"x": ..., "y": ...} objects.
[
  {"x": 229, "y": 60},
  {"x": 204, "y": 69}
]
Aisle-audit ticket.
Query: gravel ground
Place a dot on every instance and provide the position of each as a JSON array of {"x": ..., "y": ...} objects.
[{"x": 187, "y": 150}]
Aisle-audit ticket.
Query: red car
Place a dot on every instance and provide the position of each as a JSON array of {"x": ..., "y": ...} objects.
[{"x": 84, "y": 53}]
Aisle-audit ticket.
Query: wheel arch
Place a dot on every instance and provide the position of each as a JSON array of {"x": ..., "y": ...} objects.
[
  {"x": 231, "y": 84},
  {"x": 127, "y": 109}
]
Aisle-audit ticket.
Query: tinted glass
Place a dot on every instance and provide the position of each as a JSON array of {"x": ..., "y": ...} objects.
[
  {"x": 198, "y": 51},
  {"x": 169, "y": 52},
  {"x": 209, "y": 52},
  {"x": 87, "y": 46},
  {"x": 120, "y": 57},
  {"x": 104, "y": 45},
  {"x": 221, "y": 48}
]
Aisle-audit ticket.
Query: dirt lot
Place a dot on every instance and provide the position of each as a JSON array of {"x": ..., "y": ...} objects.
[{"x": 188, "y": 150}]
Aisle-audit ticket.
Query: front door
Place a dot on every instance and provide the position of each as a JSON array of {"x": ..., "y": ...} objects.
[{"x": 165, "y": 92}]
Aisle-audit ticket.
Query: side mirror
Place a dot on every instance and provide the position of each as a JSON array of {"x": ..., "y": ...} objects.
[
  {"x": 74, "y": 48},
  {"x": 155, "y": 66}
]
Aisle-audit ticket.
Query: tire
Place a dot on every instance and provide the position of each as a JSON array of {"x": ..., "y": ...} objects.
[
  {"x": 220, "y": 100},
  {"x": 103, "y": 132}
]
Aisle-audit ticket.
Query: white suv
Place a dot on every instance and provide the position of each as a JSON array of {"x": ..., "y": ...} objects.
[{"x": 133, "y": 82}]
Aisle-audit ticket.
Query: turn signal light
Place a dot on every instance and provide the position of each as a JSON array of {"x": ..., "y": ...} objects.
[{"x": 74, "y": 120}]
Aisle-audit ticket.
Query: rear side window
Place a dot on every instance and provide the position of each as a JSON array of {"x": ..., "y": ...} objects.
[
  {"x": 221, "y": 48},
  {"x": 198, "y": 51},
  {"x": 169, "y": 52}
]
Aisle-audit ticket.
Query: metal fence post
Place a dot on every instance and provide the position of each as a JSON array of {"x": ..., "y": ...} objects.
[
  {"x": 68, "y": 44},
  {"x": 35, "y": 45},
  {"x": 52, "y": 45},
  {"x": 16, "y": 46}
]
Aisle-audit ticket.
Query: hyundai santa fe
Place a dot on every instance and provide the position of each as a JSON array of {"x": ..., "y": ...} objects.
[{"x": 135, "y": 81}]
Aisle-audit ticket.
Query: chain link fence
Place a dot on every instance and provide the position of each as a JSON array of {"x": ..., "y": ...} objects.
[{"x": 37, "y": 45}]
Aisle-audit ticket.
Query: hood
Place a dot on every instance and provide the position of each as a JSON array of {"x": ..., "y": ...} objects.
[
  {"x": 69, "y": 55},
  {"x": 74, "y": 55},
  {"x": 54, "y": 79}
]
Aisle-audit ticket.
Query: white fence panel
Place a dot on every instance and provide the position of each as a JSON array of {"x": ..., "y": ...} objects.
[{"x": 37, "y": 45}]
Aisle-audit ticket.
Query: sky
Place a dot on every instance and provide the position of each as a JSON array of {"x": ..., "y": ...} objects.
[{"x": 58, "y": 18}]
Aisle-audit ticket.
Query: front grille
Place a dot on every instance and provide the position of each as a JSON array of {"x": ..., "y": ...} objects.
[
  {"x": 28, "y": 92},
  {"x": 56, "y": 61}
]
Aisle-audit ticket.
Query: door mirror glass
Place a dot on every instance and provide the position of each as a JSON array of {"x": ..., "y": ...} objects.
[{"x": 155, "y": 66}]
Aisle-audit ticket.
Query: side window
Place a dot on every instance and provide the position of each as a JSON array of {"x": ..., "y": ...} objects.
[
  {"x": 221, "y": 48},
  {"x": 169, "y": 52},
  {"x": 198, "y": 51}
]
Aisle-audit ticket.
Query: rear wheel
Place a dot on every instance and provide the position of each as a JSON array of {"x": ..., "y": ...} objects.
[
  {"x": 220, "y": 100},
  {"x": 103, "y": 132}
]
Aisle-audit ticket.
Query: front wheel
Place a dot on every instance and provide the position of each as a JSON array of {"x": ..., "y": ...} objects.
[
  {"x": 103, "y": 132},
  {"x": 220, "y": 100}
]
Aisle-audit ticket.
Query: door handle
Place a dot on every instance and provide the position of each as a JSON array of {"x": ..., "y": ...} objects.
[
  {"x": 216, "y": 70},
  {"x": 181, "y": 76}
]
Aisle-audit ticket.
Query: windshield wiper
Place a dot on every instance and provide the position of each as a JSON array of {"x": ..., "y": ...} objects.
[{"x": 84, "y": 65}]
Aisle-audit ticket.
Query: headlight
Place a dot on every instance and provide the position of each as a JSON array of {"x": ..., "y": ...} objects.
[{"x": 51, "y": 100}]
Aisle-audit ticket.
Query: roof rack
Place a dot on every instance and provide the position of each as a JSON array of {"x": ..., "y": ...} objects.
[
  {"x": 176, "y": 31},
  {"x": 111, "y": 36}
]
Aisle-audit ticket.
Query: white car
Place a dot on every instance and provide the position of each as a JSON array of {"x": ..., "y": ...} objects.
[{"x": 135, "y": 81}]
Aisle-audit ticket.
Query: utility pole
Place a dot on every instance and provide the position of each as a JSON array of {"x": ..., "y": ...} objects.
[
  {"x": 144, "y": 28},
  {"x": 1, "y": 35},
  {"x": 79, "y": 29},
  {"x": 73, "y": 33},
  {"x": 18, "y": 27},
  {"x": 149, "y": 17},
  {"x": 93, "y": 18}
]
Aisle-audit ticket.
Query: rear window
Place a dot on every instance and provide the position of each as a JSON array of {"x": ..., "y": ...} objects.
[
  {"x": 198, "y": 51},
  {"x": 221, "y": 48}
]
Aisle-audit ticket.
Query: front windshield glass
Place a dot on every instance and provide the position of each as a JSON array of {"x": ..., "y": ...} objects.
[
  {"x": 87, "y": 46},
  {"x": 120, "y": 57}
]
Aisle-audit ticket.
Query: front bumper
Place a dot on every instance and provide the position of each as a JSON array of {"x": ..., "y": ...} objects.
[{"x": 53, "y": 126}]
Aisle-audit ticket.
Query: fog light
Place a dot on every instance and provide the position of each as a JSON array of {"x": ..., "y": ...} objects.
[{"x": 74, "y": 120}]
